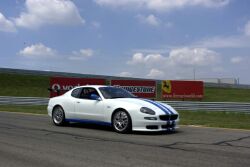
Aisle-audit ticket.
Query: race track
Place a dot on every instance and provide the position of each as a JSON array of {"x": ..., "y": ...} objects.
[{"x": 32, "y": 140}]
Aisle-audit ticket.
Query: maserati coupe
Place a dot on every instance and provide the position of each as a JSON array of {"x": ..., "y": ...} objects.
[{"x": 112, "y": 106}]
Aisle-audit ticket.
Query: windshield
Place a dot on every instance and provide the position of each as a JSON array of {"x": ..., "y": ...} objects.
[{"x": 115, "y": 92}]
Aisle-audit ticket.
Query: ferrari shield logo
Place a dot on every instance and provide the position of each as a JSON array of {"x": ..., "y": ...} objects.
[{"x": 166, "y": 86}]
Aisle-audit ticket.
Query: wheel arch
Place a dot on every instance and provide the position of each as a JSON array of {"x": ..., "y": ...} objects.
[
  {"x": 63, "y": 122},
  {"x": 119, "y": 109},
  {"x": 57, "y": 105}
]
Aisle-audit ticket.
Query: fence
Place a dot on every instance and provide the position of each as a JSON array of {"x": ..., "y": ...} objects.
[
  {"x": 178, "y": 105},
  {"x": 7, "y": 100},
  {"x": 209, "y": 106}
]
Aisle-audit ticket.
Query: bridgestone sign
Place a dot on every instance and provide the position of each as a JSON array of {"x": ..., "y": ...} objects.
[{"x": 140, "y": 88}]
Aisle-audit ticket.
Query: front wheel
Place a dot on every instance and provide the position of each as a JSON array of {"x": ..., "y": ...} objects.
[
  {"x": 121, "y": 122},
  {"x": 58, "y": 116}
]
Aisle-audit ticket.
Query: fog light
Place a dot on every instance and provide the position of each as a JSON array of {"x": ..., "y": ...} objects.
[{"x": 150, "y": 118}]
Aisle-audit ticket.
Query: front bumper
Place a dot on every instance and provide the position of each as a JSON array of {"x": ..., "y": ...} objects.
[{"x": 155, "y": 125}]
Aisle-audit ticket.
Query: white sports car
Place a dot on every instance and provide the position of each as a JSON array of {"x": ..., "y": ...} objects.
[{"x": 112, "y": 106}]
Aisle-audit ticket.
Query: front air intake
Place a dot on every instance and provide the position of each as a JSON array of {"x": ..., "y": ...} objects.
[{"x": 168, "y": 117}]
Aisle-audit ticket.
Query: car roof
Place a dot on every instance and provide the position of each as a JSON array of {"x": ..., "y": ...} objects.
[{"x": 93, "y": 86}]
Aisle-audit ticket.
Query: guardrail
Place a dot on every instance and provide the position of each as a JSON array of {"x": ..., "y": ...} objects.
[
  {"x": 209, "y": 106},
  {"x": 6, "y": 100},
  {"x": 178, "y": 105}
]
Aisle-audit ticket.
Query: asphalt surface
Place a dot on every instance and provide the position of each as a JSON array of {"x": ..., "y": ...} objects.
[{"x": 32, "y": 140}]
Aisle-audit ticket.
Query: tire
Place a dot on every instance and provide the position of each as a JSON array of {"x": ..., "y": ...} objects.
[
  {"x": 121, "y": 122},
  {"x": 58, "y": 116}
]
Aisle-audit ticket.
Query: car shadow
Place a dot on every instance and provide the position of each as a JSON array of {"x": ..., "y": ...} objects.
[
  {"x": 90, "y": 126},
  {"x": 109, "y": 129},
  {"x": 156, "y": 133}
]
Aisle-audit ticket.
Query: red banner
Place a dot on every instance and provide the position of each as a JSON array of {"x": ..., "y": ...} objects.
[
  {"x": 60, "y": 85},
  {"x": 140, "y": 88},
  {"x": 182, "y": 89}
]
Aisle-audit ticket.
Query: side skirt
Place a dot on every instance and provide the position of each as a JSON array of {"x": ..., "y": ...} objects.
[{"x": 89, "y": 121}]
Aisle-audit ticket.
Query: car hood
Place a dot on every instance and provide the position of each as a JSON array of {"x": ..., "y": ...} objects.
[{"x": 160, "y": 108}]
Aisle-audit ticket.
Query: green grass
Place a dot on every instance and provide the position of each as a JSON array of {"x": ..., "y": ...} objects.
[
  {"x": 204, "y": 118},
  {"x": 216, "y": 119},
  {"x": 24, "y": 109},
  {"x": 24, "y": 85},
  {"x": 227, "y": 95}
]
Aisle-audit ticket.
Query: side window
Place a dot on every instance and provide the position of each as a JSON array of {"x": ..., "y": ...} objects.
[
  {"x": 75, "y": 93},
  {"x": 86, "y": 92}
]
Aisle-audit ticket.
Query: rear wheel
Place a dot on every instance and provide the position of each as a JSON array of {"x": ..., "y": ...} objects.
[
  {"x": 121, "y": 122},
  {"x": 58, "y": 116}
]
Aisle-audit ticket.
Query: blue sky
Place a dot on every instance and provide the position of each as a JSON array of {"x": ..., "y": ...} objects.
[{"x": 159, "y": 39}]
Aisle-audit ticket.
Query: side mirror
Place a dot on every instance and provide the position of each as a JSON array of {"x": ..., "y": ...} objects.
[{"x": 95, "y": 97}]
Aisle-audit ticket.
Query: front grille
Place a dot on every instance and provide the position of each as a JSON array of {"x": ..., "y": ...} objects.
[
  {"x": 152, "y": 127},
  {"x": 168, "y": 117}
]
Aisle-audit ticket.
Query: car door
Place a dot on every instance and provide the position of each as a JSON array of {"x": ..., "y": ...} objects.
[
  {"x": 70, "y": 103},
  {"x": 87, "y": 108}
]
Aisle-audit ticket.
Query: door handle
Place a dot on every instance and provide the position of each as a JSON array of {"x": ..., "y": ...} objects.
[{"x": 77, "y": 102}]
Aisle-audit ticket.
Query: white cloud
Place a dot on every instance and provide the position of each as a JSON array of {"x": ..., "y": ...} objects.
[
  {"x": 49, "y": 12},
  {"x": 162, "y": 5},
  {"x": 86, "y": 52},
  {"x": 6, "y": 25},
  {"x": 153, "y": 59},
  {"x": 82, "y": 54},
  {"x": 223, "y": 42},
  {"x": 195, "y": 56},
  {"x": 236, "y": 60},
  {"x": 177, "y": 63},
  {"x": 139, "y": 58},
  {"x": 155, "y": 73},
  {"x": 247, "y": 29},
  {"x": 150, "y": 20},
  {"x": 169, "y": 4},
  {"x": 152, "y": 51},
  {"x": 180, "y": 56},
  {"x": 38, "y": 51},
  {"x": 125, "y": 74}
]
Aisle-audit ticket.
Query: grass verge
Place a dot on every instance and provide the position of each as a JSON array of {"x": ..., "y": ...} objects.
[
  {"x": 24, "y": 109},
  {"x": 234, "y": 120},
  {"x": 24, "y": 85},
  {"x": 220, "y": 119},
  {"x": 226, "y": 95}
]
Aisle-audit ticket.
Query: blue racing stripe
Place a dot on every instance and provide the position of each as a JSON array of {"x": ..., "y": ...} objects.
[
  {"x": 157, "y": 105},
  {"x": 165, "y": 108}
]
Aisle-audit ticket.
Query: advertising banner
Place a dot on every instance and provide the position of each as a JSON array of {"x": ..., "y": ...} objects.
[
  {"x": 182, "y": 89},
  {"x": 60, "y": 85},
  {"x": 140, "y": 88}
]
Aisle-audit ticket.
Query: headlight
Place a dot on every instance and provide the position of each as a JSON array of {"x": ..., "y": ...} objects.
[{"x": 146, "y": 110}]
